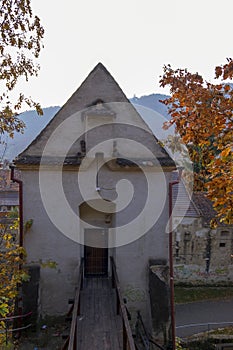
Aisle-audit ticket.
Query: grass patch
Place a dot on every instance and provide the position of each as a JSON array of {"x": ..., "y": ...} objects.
[
  {"x": 191, "y": 294},
  {"x": 201, "y": 345},
  {"x": 223, "y": 331}
]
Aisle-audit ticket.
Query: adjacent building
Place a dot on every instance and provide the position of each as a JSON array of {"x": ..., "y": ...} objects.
[{"x": 201, "y": 254}]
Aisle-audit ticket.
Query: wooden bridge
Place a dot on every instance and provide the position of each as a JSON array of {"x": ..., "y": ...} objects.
[{"x": 99, "y": 316}]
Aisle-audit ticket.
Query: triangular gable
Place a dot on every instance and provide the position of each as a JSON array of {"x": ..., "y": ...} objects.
[{"x": 98, "y": 86}]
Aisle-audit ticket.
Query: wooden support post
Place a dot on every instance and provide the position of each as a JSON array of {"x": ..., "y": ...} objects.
[
  {"x": 75, "y": 338},
  {"x": 124, "y": 338},
  {"x": 82, "y": 272},
  {"x": 113, "y": 281},
  {"x": 78, "y": 311},
  {"x": 118, "y": 305}
]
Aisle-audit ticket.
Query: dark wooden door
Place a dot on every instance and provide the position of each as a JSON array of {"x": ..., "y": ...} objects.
[{"x": 96, "y": 254}]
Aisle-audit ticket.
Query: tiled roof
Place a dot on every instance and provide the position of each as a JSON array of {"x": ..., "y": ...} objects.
[
  {"x": 53, "y": 161},
  {"x": 10, "y": 198},
  {"x": 163, "y": 161},
  {"x": 5, "y": 181},
  {"x": 9, "y": 195},
  {"x": 205, "y": 206},
  {"x": 184, "y": 205},
  {"x": 196, "y": 206}
]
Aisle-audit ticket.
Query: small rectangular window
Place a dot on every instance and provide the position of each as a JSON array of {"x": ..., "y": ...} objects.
[
  {"x": 224, "y": 233},
  {"x": 187, "y": 236},
  {"x": 222, "y": 244}
]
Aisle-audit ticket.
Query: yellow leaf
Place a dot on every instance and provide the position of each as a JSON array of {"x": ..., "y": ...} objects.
[{"x": 225, "y": 152}]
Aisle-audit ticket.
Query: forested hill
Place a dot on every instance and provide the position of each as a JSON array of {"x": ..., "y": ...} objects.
[
  {"x": 153, "y": 102},
  {"x": 35, "y": 123}
]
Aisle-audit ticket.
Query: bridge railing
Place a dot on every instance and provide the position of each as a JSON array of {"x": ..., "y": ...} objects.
[
  {"x": 143, "y": 336},
  {"x": 128, "y": 341},
  {"x": 71, "y": 341}
]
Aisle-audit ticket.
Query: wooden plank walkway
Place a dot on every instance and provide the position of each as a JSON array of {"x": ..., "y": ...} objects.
[{"x": 99, "y": 327}]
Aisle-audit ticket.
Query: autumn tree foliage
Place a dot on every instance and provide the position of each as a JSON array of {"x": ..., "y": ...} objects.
[
  {"x": 21, "y": 36},
  {"x": 202, "y": 113},
  {"x": 20, "y": 45},
  {"x": 11, "y": 275}
]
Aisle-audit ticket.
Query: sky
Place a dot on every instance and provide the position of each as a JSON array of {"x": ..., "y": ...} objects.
[{"x": 133, "y": 39}]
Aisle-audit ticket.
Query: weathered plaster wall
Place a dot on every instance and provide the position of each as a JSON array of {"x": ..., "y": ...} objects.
[
  {"x": 202, "y": 254},
  {"x": 133, "y": 265},
  {"x": 44, "y": 242}
]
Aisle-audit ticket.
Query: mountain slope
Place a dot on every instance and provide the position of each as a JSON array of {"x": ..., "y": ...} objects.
[
  {"x": 153, "y": 102},
  {"x": 34, "y": 124}
]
